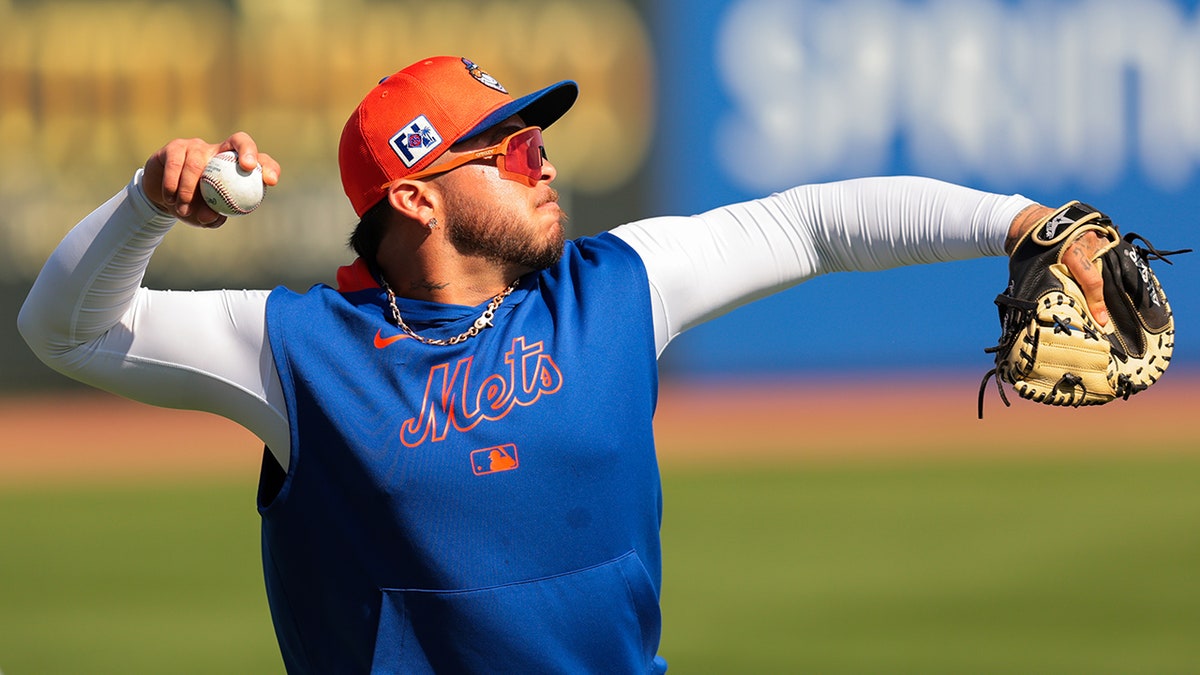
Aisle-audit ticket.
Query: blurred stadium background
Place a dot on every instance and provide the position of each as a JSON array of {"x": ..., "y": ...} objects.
[
  {"x": 685, "y": 106},
  {"x": 827, "y": 554}
]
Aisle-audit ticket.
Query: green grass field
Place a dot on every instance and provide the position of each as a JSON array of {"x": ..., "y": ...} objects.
[{"x": 910, "y": 566}]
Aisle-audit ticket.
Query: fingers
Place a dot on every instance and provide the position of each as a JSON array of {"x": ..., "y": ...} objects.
[
  {"x": 171, "y": 179},
  {"x": 249, "y": 156},
  {"x": 181, "y": 182},
  {"x": 171, "y": 176},
  {"x": 1080, "y": 259}
]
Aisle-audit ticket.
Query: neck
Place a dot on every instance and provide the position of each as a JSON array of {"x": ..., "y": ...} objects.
[
  {"x": 482, "y": 323},
  {"x": 448, "y": 293},
  {"x": 421, "y": 265},
  {"x": 448, "y": 284}
]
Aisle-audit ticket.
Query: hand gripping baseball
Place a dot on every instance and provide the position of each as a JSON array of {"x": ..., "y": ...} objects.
[
  {"x": 171, "y": 176},
  {"x": 1055, "y": 346}
]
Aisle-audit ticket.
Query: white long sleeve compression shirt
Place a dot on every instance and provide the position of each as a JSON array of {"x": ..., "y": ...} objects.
[{"x": 88, "y": 317}]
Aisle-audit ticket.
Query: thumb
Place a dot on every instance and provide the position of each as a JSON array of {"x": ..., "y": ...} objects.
[
  {"x": 1100, "y": 312},
  {"x": 1092, "y": 285}
]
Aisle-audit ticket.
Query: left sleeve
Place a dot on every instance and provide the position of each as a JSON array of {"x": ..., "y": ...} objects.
[
  {"x": 88, "y": 317},
  {"x": 701, "y": 267}
]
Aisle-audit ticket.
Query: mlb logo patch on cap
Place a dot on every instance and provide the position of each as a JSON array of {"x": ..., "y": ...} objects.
[{"x": 413, "y": 142}]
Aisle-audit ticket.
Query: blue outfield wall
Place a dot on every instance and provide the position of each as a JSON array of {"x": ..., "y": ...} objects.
[{"x": 1097, "y": 100}]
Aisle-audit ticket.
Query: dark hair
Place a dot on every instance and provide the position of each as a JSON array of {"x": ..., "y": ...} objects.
[{"x": 367, "y": 235}]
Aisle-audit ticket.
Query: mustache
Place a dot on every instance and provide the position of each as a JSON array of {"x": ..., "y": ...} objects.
[{"x": 551, "y": 196}]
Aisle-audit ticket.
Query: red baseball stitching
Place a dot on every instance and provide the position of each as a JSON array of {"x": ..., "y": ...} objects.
[{"x": 221, "y": 190}]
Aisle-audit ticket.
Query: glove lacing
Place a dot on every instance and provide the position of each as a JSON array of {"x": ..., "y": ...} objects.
[
  {"x": 1017, "y": 315},
  {"x": 1148, "y": 252}
]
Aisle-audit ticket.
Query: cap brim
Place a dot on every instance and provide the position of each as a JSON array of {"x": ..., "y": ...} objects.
[{"x": 539, "y": 109}]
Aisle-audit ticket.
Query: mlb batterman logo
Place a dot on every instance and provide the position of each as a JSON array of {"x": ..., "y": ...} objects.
[
  {"x": 494, "y": 459},
  {"x": 413, "y": 142}
]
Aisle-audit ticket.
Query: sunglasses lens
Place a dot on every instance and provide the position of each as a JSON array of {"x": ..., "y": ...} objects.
[{"x": 524, "y": 154}]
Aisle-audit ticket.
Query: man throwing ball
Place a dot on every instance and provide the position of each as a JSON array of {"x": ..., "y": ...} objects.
[{"x": 460, "y": 472}]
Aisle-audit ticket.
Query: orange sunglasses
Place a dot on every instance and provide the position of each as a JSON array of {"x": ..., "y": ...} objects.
[{"x": 521, "y": 155}]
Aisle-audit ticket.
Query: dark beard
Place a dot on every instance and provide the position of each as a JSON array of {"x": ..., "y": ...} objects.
[{"x": 477, "y": 231}]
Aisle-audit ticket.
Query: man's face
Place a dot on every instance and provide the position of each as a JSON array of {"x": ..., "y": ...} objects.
[
  {"x": 502, "y": 220},
  {"x": 505, "y": 232}
]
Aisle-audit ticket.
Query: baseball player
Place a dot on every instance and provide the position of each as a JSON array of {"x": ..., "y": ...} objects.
[{"x": 460, "y": 472}]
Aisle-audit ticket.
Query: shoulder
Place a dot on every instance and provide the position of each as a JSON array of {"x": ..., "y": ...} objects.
[
  {"x": 596, "y": 262},
  {"x": 596, "y": 257},
  {"x": 601, "y": 249},
  {"x": 286, "y": 304}
]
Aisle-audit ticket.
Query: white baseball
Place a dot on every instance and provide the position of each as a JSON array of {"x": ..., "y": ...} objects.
[{"x": 229, "y": 189}]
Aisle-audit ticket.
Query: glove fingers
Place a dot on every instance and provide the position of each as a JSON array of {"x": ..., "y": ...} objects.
[{"x": 1064, "y": 357}]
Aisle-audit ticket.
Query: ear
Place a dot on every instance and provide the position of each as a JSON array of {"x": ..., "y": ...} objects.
[{"x": 415, "y": 200}]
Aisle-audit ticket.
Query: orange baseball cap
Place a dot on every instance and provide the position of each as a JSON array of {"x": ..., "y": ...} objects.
[{"x": 413, "y": 116}]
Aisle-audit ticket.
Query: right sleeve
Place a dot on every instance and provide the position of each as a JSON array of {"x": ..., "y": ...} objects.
[
  {"x": 88, "y": 317},
  {"x": 702, "y": 266}
]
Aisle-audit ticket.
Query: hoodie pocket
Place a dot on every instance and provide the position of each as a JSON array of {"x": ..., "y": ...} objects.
[{"x": 603, "y": 618}]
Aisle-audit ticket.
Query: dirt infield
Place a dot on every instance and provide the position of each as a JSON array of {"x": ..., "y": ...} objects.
[
  {"x": 98, "y": 437},
  {"x": 894, "y": 417}
]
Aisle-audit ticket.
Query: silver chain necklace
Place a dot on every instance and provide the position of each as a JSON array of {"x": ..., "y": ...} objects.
[{"x": 484, "y": 320}]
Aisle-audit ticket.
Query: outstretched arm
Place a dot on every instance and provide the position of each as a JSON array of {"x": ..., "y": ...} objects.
[{"x": 703, "y": 266}]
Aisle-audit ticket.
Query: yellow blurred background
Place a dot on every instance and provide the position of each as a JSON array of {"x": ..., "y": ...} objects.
[{"x": 89, "y": 89}]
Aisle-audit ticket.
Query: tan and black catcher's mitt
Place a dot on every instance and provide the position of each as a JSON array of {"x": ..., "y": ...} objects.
[{"x": 1051, "y": 349}]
